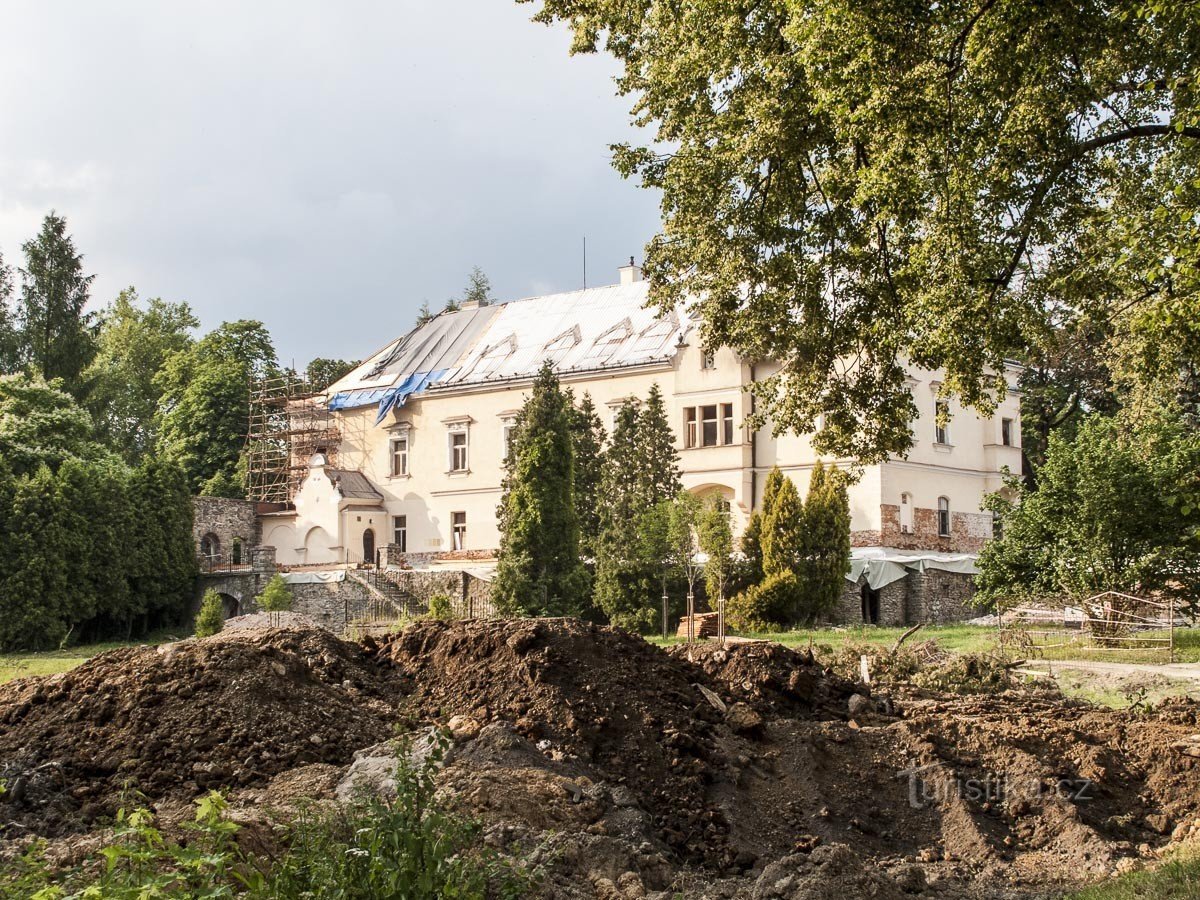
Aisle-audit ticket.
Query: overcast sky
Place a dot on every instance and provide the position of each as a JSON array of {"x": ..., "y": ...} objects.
[{"x": 324, "y": 167}]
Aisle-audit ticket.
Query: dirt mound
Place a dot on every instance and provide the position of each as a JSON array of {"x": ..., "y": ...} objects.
[
  {"x": 738, "y": 773},
  {"x": 772, "y": 677},
  {"x": 588, "y": 696},
  {"x": 233, "y": 710}
]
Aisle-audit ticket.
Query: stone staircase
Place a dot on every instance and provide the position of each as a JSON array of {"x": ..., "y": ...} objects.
[{"x": 389, "y": 605}]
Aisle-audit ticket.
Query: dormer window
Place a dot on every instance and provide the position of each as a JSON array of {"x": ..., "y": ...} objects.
[{"x": 560, "y": 346}]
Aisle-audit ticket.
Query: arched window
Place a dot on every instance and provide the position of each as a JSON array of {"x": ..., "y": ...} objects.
[
  {"x": 369, "y": 546},
  {"x": 235, "y": 553},
  {"x": 210, "y": 547},
  {"x": 943, "y": 517},
  {"x": 906, "y": 513}
]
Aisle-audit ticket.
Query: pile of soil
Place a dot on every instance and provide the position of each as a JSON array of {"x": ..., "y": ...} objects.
[
  {"x": 227, "y": 711},
  {"x": 620, "y": 769},
  {"x": 615, "y": 707}
]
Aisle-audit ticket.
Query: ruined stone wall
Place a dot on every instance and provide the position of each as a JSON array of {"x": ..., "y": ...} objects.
[
  {"x": 968, "y": 531},
  {"x": 938, "y": 597},
  {"x": 470, "y": 597},
  {"x": 228, "y": 520},
  {"x": 933, "y": 596}
]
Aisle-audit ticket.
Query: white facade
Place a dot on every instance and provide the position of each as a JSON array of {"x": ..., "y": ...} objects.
[{"x": 423, "y": 429}]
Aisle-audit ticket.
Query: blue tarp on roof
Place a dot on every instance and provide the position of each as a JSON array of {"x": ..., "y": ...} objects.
[
  {"x": 387, "y": 398},
  {"x": 355, "y": 399}
]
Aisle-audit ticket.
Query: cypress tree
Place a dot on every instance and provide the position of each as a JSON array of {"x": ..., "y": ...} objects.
[
  {"x": 8, "y": 326},
  {"x": 539, "y": 570},
  {"x": 57, "y": 337},
  {"x": 35, "y": 597},
  {"x": 782, "y": 526},
  {"x": 825, "y": 549},
  {"x": 210, "y": 619}
]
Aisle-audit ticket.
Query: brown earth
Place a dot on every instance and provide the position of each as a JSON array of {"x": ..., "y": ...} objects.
[{"x": 620, "y": 769}]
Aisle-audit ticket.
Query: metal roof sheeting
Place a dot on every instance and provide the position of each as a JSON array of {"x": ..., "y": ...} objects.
[
  {"x": 580, "y": 331},
  {"x": 353, "y": 485}
]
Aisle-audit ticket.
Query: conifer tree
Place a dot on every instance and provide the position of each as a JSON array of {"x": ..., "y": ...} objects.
[
  {"x": 210, "y": 619},
  {"x": 783, "y": 523},
  {"x": 539, "y": 570},
  {"x": 825, "y": 543},
  {"x": 587, "y": 436},
  {"x": 56, "y": 334},
  {"x": 8, "y": 326},
  {"x": 658, "y": 460}
]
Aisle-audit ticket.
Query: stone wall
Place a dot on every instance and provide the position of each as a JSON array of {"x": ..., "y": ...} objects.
[
  {"x": 470, "y": 597},
  {"x": 934, "y": 597},
  {"x": 228, "y": 520},
  {"x": 969, "y": 531}
]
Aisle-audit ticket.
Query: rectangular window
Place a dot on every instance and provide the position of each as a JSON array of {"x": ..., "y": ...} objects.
[
  {"x": 1006, "y": 432},
  {"x": 506, "y": 436},
  {"x": 400, "y": 532},
  {"x": 708, "y": 426},
  {"x": 689, "y": 427},
  {"x": 708, "y": 360},
  {"x": 941, "y": 428},
  {"x": 400, "y": 456},
  {"x": 458, "y": 530},
  {"x": 726, "y": 423},
  {"x": 458, "y": 451}
]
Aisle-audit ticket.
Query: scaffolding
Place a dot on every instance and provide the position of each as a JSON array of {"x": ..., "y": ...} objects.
[{"x": 289, "y": 422}]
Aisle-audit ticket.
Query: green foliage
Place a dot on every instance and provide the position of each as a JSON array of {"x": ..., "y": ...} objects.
[
  {"x": 372, "y": 849},
  {"x": 211, "y": 617},
  {"x": 478, "y": 289},
  {"x": 40, "y": 424},
  {"x": 825, "y": 543},
  {"x": 908, "y": 182},
  {"x": 683, "y": 514},
  {"x": 275, "y": 598},
  {"x": 441, "y": 607},
  {"x": 9, "y": 346},
  {"x": 640, "y": 472},
  {"x": 424, "y": 316},
  {"x": 1116, "y": 508},
  {"x": 321, "y": 372},
  {"x": 766, "y": 606},
  {"x": 748, "y": 566},
  {"x": 134, "y": 342},
  {"x": 539, "y": 571},
  {"x": 715, "y": 537},
  {"x": 225, "y": 484},
  {"x": 205, "y": 403},
  {"x": 587, "y": 440},
  {"x": 56, "y": 337},
  {"x": 782, "y": 525}
]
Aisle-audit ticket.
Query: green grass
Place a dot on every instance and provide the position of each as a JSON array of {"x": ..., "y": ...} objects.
[
  {"x": 1176, "y": 879},
  {"x": 51, "y": 662},
  {"x": 957, "y": 638}
]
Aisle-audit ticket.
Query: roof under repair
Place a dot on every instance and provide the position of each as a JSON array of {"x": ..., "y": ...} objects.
[{"x": 580, "y": 331}]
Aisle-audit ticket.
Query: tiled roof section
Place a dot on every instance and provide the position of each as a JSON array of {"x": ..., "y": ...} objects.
[{"x": 353, "y": 485}]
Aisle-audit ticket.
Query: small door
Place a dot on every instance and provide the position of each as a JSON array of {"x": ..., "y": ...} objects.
[
  {"x": 369, "y": 545},
  {"x": 870, "y": 605}
]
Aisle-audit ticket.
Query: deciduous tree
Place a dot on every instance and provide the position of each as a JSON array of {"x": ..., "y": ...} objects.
[{"x": 851, "y": 187}]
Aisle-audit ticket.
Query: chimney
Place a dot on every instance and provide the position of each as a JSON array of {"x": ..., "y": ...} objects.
[{"x": 630, "y": 273}]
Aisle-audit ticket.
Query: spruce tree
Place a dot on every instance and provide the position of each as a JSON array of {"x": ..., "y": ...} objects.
[
  {"x": 8, "y": 326},
  {"x": 658, "y": 460},
  {"x": 623, "y": 586},
  {"x": 825, "y": 544},
  {"x": 539, "y": 571},
  {"x": 56, "y": 334},
  {"x": 587, "y": 437}
]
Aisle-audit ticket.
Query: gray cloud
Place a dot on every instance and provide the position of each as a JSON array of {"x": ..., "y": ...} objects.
[{"x": 324, "y": 167}]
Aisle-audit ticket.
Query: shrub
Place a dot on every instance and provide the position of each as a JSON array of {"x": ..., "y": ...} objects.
[
  {"x": 211, "y": 617},
  {"x": 769, "y": 606},
  {"x": 441, "y": 607}
]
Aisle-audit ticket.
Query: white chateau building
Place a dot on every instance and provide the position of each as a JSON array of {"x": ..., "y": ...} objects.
[{"x": 423, "y": 425}]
